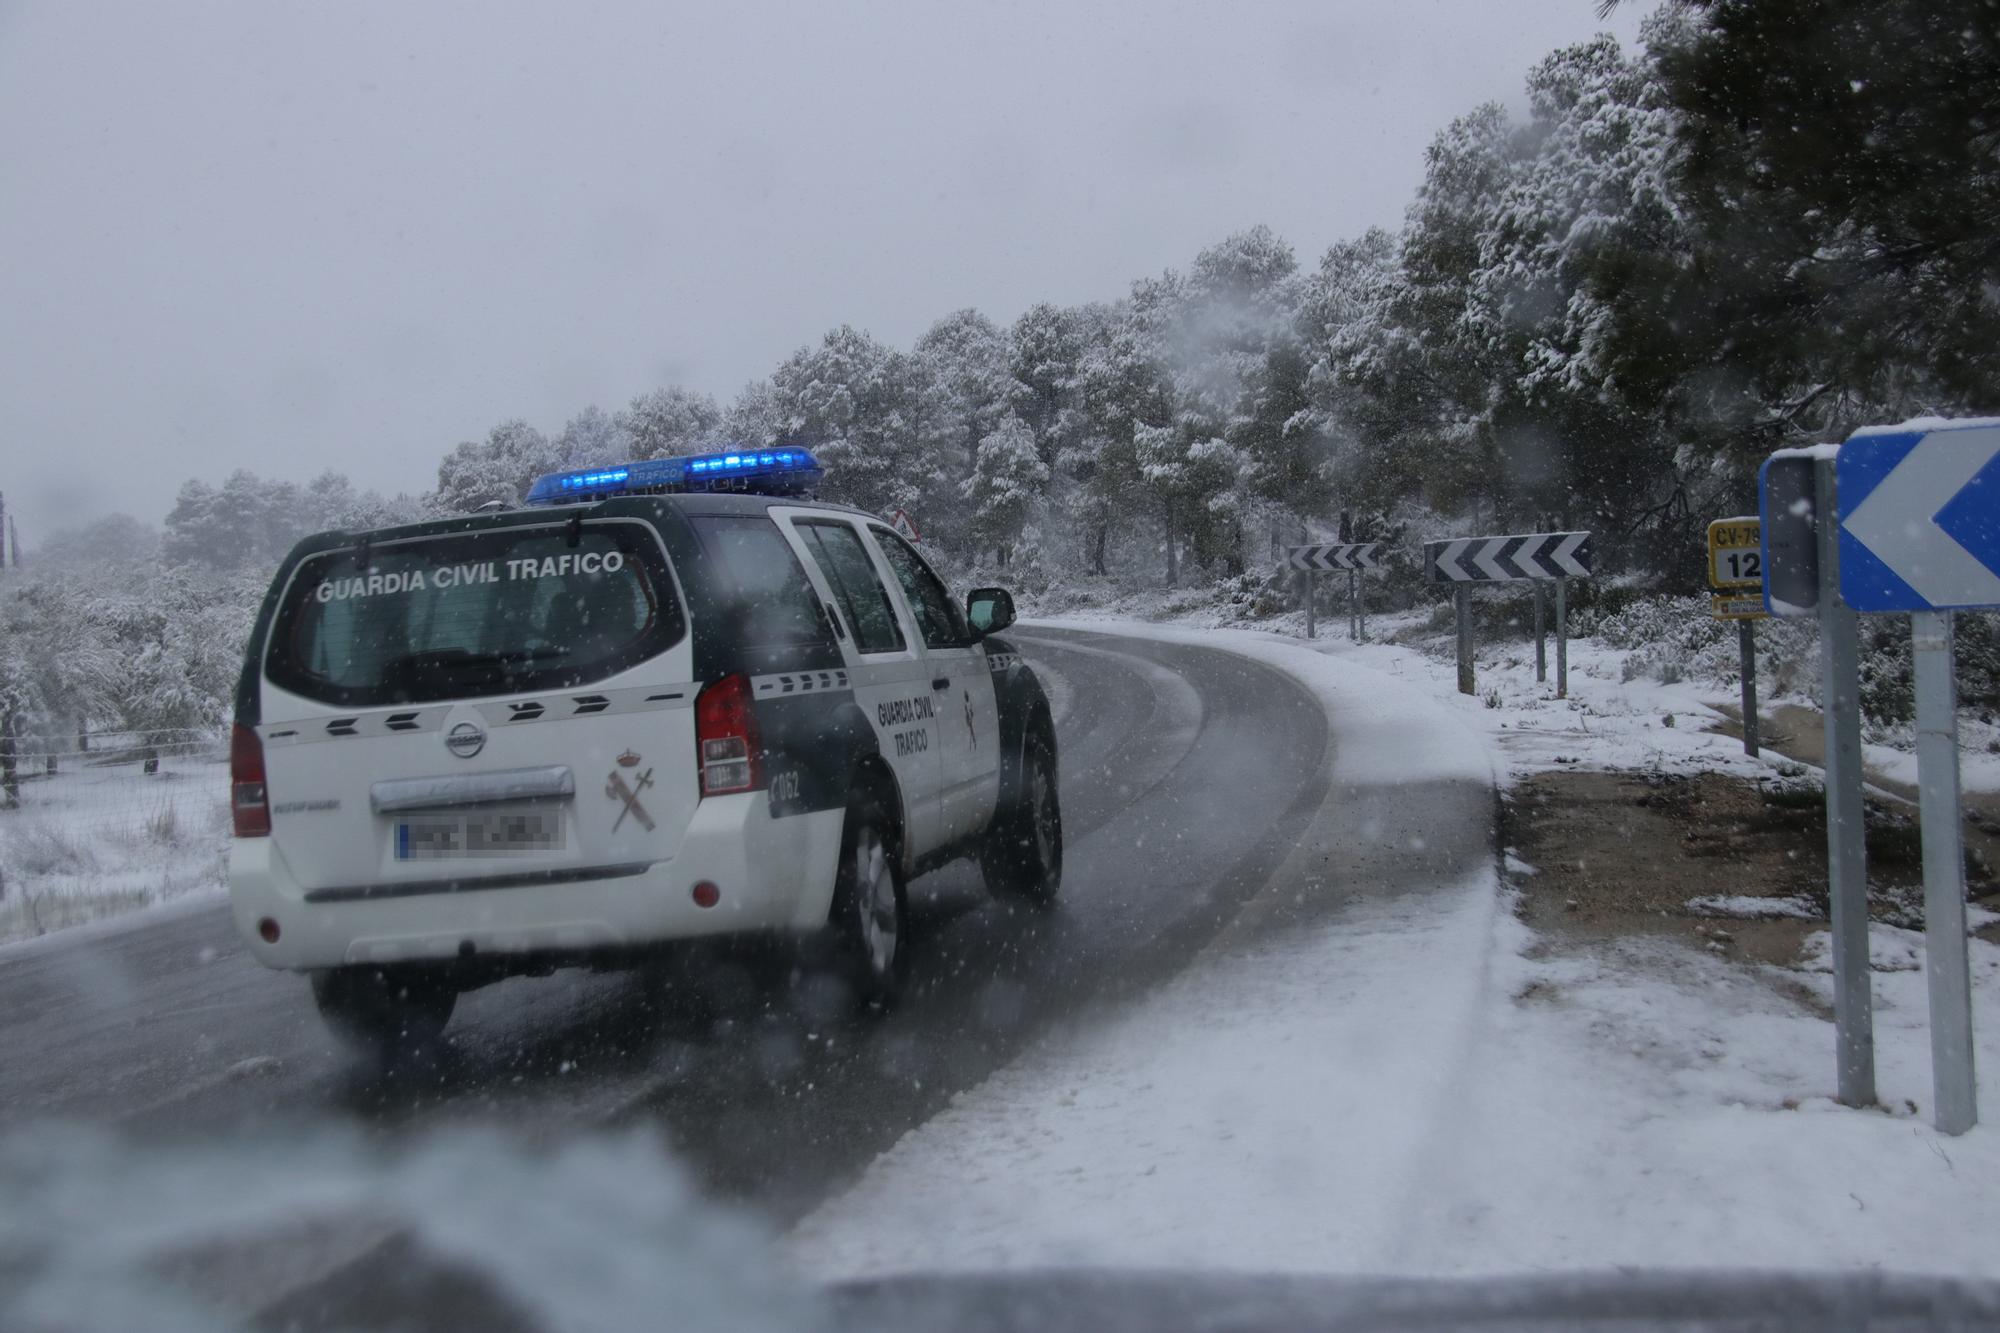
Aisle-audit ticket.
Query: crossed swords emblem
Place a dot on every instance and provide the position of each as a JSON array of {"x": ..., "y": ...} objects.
[{"x": 617, "y": 790}]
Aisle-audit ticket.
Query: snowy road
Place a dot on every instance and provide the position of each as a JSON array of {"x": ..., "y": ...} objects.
[{"x": 1191, "y": 779}]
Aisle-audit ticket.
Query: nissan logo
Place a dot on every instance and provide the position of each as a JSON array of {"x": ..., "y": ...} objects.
[{"x": 465, "y": 739}]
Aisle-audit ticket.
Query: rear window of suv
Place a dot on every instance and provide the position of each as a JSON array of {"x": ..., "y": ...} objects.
[
  {"x": 499, "y": 611},
  {"x": 766, "y": 599}
]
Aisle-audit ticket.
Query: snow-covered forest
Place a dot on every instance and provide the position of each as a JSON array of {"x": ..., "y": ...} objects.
[{"x": 1601, "y": 313}]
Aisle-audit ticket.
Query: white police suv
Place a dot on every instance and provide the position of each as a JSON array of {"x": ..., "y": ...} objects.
[{"x": 668, "y": 700}]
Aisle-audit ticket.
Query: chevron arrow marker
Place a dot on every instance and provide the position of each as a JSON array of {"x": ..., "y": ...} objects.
[
  {"x": 1565, "y": 555},
  {"x": 1527, "y": 556},
  {"x": 1898, "y": 521},
  {"x": 1448, "y": 558},
  {"x": 1488, "y": 558}
]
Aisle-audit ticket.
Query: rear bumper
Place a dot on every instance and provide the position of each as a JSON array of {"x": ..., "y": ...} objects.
[{"x": 774, "y": 874}]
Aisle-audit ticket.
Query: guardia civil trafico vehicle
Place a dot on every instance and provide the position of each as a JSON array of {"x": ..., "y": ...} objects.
[{"x": 664, "y": 702}]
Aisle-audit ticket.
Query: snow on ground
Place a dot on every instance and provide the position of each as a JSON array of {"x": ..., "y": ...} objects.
[
  {"x": 1392, "y": 726},
  {"x": 96, "y": 840},
  {"x": 1405, "y": 1092},
  {"x": 1608, "y": 722},
  {"x": 1416, "y": 1088},
  {"x": 1978, "y": 765}
]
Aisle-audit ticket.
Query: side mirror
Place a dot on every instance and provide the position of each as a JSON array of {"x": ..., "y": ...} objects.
[{"x": 989, "y": 610}]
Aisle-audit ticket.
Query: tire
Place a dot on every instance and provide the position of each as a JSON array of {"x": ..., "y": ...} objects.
[
  {"x": 871, "y": 910},
  {"x": 1023, "y": 853},
  {"x": 386, "y": 1013}
]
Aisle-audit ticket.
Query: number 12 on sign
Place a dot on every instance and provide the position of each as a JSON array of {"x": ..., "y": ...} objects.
[{"x": 1735, "y": 553}]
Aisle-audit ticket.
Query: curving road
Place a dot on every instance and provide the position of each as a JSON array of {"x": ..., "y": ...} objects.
[{"x": 1193, "y": 782}]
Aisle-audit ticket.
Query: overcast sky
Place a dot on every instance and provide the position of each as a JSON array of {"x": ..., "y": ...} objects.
[{"x": 292, "y": 237}]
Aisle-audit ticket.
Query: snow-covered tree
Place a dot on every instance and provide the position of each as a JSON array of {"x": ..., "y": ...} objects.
[
  {"x": 1125, "y": 390},
  {"x": 592, "y": 438},
  {"x": 962, "y": 391},
  {"x": 752, "y": 417},
  {"x": 498, "y": 469},
  {"x": 850, "y": 399},
  {"x": 1050, "y": 356},
  {"x": 1007, "y": 476},
  {"x": 1367, "y": 380},
  {"x": 670, "y": 422}
]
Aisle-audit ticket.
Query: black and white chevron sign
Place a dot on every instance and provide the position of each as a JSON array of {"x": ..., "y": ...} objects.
[
  {"x": 1537, "y": 555},
  {"x": 1352, "y": 555}
]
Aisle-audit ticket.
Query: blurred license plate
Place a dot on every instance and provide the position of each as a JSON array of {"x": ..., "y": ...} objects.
[{"x": 478, "y": 833}]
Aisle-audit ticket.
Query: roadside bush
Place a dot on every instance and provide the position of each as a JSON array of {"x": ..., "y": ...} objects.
[{"x": 43, "y": 847}]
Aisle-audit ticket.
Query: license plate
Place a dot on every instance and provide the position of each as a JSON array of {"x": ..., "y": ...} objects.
[{"x": 478, "y": 833}]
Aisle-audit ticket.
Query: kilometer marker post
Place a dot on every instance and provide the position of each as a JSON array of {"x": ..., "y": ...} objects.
[
  {"x": 1735, "y": 570},
  {"x": 1746, "y": 654}
]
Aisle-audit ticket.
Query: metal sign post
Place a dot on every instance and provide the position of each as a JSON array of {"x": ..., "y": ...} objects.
[
  {"x": 1354, "y": 557},
  {"x": 1919, "y": 531},
  {"x": 1746, "y": 663},
  {"x": 1846, "y": 846},
  {"x": 1543, "y": 556},
  {"x": 1897, "y": 519},
  {"x": 1562, "y": 638},
  {"x": 1541, "y": 643},
  {"x": 1462, "y": 602},
  {"x": 1945, "y": 961}
]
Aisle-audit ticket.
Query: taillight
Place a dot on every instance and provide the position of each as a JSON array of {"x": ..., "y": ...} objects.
[
  {"x": 726, "y": 738},
  {"x": 249, "y": 805}
]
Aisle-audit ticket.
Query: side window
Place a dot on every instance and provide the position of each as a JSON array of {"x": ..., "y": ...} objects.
[
  {"x": 838, "y": 551},
  {"x": 771, "y": 601},
  {"x": 937, "y": 614}
]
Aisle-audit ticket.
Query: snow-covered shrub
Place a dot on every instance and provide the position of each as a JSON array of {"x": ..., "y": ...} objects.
[
  {"x": 34, "y": 847},
  {"x": 163, "y": 823}
]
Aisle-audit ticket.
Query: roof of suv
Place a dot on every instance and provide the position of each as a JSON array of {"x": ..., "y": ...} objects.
[
  {"x": 611, "y": 506},
  {"x": 714, "y": 502}
]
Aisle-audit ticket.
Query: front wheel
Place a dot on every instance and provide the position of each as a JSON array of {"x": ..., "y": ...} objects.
[
  {"x": 1023, "y": 853},
  {"x": 870, "y": 908},
  {"x": 388, "y": 1013}
]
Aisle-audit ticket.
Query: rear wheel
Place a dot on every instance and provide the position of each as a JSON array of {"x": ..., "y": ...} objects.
[
  {"x": 389, "y": 1013},
  {"x": 870, "y": 909},
  {"x": 1023, "y": 853}
]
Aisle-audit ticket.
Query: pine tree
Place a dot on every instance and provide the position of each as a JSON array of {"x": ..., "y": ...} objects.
[
  {"x": 1007, "y": 476},
  {"x": 671, "y": 422},
  {"x": 1838, "y": 160},
  {"x": 851, "y": 399}
]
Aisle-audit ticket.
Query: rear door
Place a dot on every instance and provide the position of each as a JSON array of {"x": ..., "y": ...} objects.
[
  {"x": 885, "y": 663},
  {"x": 969, "y": 725},
  {"x": 506, "y": 703}
]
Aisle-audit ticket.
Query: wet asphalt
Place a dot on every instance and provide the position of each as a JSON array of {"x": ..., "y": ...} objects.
[{"x": 1189, "y": 779}]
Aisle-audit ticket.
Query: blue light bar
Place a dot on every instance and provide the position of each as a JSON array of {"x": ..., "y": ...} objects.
[{"x": 746, "y": 471}]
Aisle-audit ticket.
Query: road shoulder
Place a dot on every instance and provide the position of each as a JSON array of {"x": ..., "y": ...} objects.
[{"x": 1418, "y": 1082}]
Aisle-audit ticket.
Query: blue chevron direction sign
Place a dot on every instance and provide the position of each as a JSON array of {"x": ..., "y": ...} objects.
[
  {"x": 1920, "y": 516},
  {"x": 1534, "y": 555}
]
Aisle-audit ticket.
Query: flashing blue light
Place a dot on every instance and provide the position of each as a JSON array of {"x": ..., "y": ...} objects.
[{"x": 765, "y": 472}]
